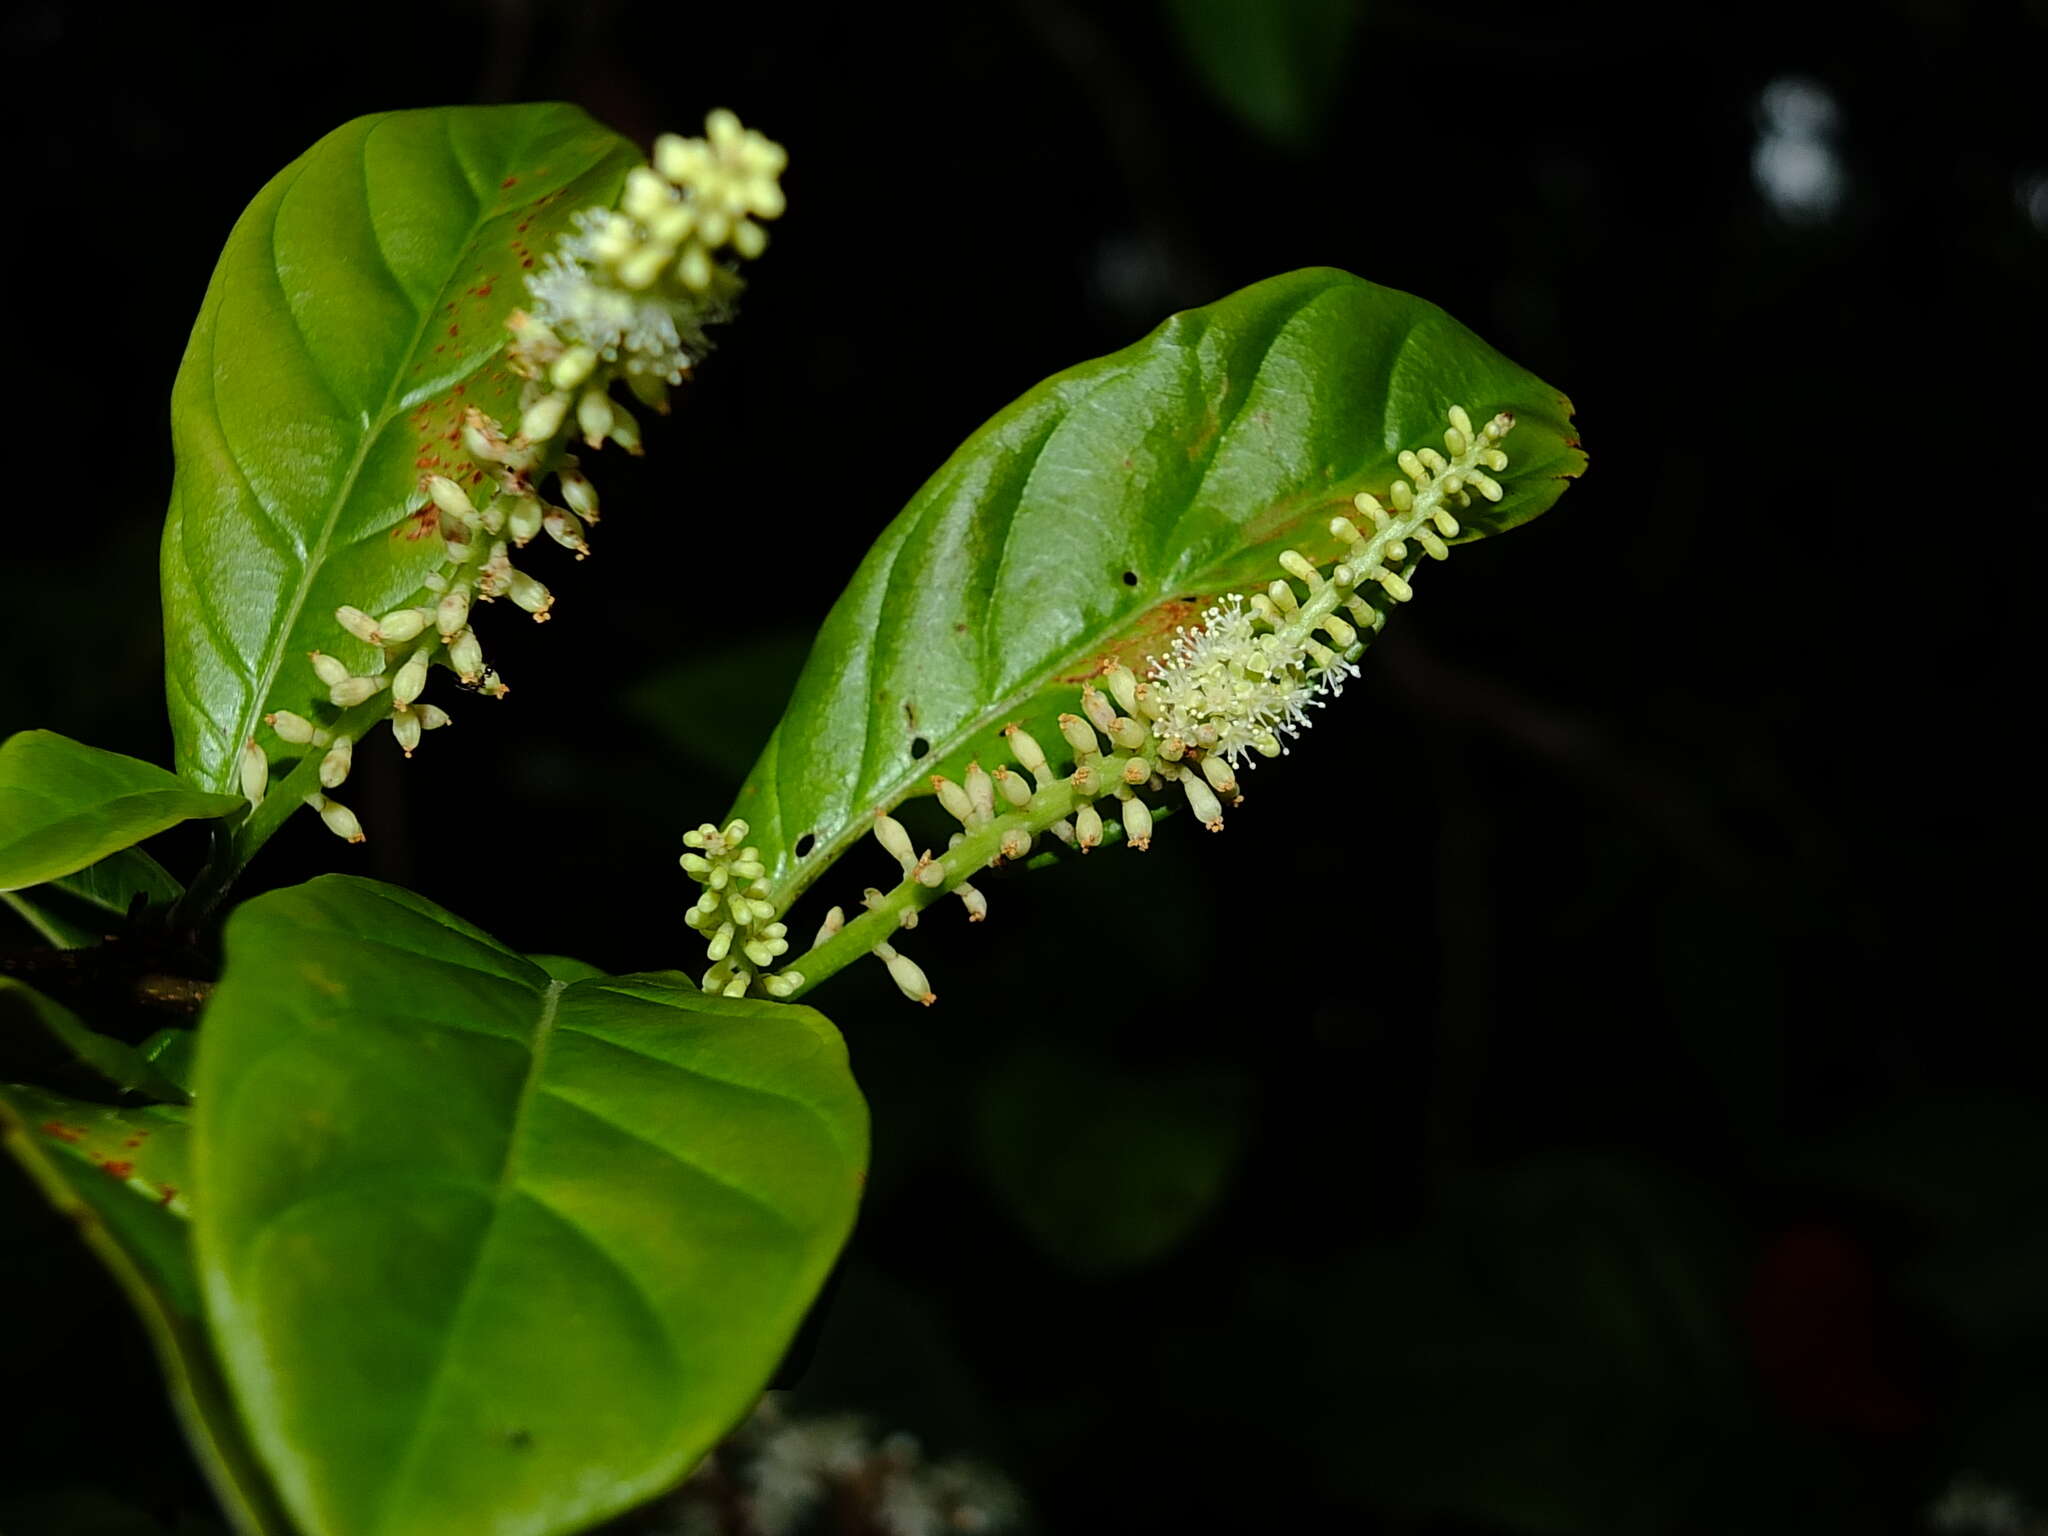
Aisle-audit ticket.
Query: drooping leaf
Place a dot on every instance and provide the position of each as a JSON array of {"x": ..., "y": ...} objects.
[
  {"x": 121, "y": 1177},
  {"x": 1278, "y": 64},
  {"x": 121, "y": 1064},
  {"x": 1109, "y": 505},
  {"x": 64, "y": 805},
  {"x": 490, "y": 1250},
  {"x": 79, "y": 910},
  {"x": 358, "y": 308},
  {"x": 174, "y": 1052}
]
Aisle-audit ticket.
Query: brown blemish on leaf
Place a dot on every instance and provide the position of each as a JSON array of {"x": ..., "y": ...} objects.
[
  {"x": 118, "y": 1168},
  {"x": 63, "y": 1132}
]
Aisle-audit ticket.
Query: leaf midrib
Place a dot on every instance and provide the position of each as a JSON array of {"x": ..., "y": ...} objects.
[
  {"x": 529, "y": 1088},
  {"x": 373, "y": 430}
]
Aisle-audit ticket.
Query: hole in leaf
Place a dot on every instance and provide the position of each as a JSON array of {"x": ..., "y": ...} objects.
[
  {"x": 1130, "y": 578},
  {"x": 919, "y": 746},
  {"x": 805, "y": 844}
]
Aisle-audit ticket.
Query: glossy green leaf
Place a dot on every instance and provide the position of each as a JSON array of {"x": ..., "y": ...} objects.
[
  {"x": 488, "y": 1250},
  {"x": 64, "y": 805},
  {"x": 121, "y": 1064},
  {"x": 121, "y": 1176},
  {"x": 78, "y": 910},
  {"x": 358, "y": 308},
  {"x": 174, "y": 1052},
  {"x": 1277, "y": 64},
  {"x": 1109, "y": 505}
]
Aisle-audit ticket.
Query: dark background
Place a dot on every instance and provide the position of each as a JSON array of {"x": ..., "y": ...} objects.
[{"x": 1597, "y": 1083}]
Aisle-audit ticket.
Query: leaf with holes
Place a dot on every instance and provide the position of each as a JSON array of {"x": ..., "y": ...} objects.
[
  {"x": 358, "y": 308},
  {"x": 1109, "y": 505},
  {"x": 486, "y": 1249}
]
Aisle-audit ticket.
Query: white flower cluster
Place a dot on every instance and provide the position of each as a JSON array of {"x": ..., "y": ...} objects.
[
  {"x": 625, "y": 297},
  {"x": 776, "y": 1473},
  {"x": 1227, "y": 687}
]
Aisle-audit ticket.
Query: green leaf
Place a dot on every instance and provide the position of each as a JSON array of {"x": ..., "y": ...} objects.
[
  {"x": 79, "y": 910},
  {"x": 487, "y": 1250},
  {"x": 126, "y": 1067},
  {"x": 1109, "y": 505},
  {"x": 64, "y": 805},
  {"x": 173, "y": 1052},
  {"x": 120, "y": 1175},
  {"x": 358, "y": 308},
  {"x": 1277, "y": 64}
]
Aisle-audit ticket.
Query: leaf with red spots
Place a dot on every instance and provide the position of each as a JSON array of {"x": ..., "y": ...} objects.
[
  {"x": 1105, "y": 507},
  {"x": 358, "y": 307}
]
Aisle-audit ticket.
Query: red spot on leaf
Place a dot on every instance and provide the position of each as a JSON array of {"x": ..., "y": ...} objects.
[
  {"x": 509, "y": 181},
  {"x": 118, "y": 1169},
  {"x": 170, "y": 1194},
  {"x": 61, "y": 1131}
]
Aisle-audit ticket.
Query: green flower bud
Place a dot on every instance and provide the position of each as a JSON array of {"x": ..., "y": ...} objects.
[
  {"x": 327, "y": 668},
  {"x": 405, "y": 725},
  {"x": 335, "y": 765},
  {"x": 404, "y": 625}
]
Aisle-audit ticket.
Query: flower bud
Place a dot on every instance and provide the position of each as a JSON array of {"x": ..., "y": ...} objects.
[
  {"x": 594, "y": 416},
  {"x": 1202, "y": 801},
  {"x": 542, "y": 419},
  {"x": 327, "y": 668},
  {"x": 930, "y": 873},
  {"x": 359, "y": 624},
  {"x": 1088, "y": 828},
  {"x": 1013, "y": 787},
  {"x": 1101, "y": 714},
  {"x": 1128, "y": 734},
  {"x": 450, "y": 499},
  {"x": 973, "y": 900},
  {"x": 1123, "y": 687},
  {"x": 452, "y": 612},
  {"x": 834, "y": 921},
  {"x": 296, "y": 729},
  {"x": 523, "y": 518},
  {"x": 411, "y": 680},
  {"x": 531, "y": 595},
  {"x": 1137, "y": 823},
  {"x": 579, "y": 493},
  {"x": 255, "y": 772},
  {"x": 954, "y": 799},
  {"x": 981, "y": 789},
  {"x": 784, "y": 985},
  {"x": 1080, "y": 736},
  {"x": 341, "y": 821},
  {"x": 1016, "y": 843},
  {"x": 566, "y": 531},
  {"x": 406, "y": 727},
  {"x": 905, "y": 973},
  {"x": 351, "y": 691},
  {"x": 1028, "y": 751},
  {"x": 1217, "y": 771},
  {"x": 404, "y": 625},
  {"x": 466, "y": 655},
  {"x": 572, "y": 367},
  {"x": 890, "y": 834},
  {"x": 430, "y": 716},
  {"x": 335, "y": 765}
]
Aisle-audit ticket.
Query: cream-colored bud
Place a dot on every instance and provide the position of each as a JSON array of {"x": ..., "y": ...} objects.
[
  {"x": 340, "y": 820},
  {"x": 784, "y": 985},
  {"x": 694, "y": 270},
  {"x": 1123, "y": 687},
  {"x": 834, "y": 921},
  {"x": 1296, "y": 564},
  {"x": 1339, "y": 631},
  {"x": 973, "y": 900},
  {"x": 1217, "y": 771},
  {"x": 1136, "y": 770},
  {"x": 541, "y": 420},
  {"x": 1016, "y": 843},
  {"x": 466, "y": 655},
  {"x": 890, "y": 834},
  {"x": 329, "y": 670},
  {"x": 930, "y": 873},
  {"x": 905, "y": 973},
  {"x": 1029, "y": 753},
  {"x": 524, "y": 516},
  {"x": 335, "y": 765},
  {"x": 579, "y": 493},
  {"x": 254, "y": 769},
  {"x": 1101, "y": 714},
  {"x": 749, "y": 239},
  {"x": 411, "y": 680},
  {"x": 531, "y": 595},
  {"x": 572, "y": 367},
  {"x": 954, "y": 799},
  {"x": 1396, "y": 588},
  {"x": 1080, "y": 736},
  {"x": 406, "y": 727},
  {"x": 1446, "y": 524},
  {"x": 452, "y": 612},
  {"x": 296, "y": 729},
  {"x": 1128, "y": 734},
  {"x": 1282, "y": 596},
  {"x": 1402, "y": 496},
  {"x": 981, "y": 789},
  {"x": 430, "y": 716},
  {"x": 1460, "y": 422},
  {"x": 450, "y": 498},
  {"x": 351, "y": 691},
  {"x": 359, "y": 624},
  {"x": 1087, "y": 828},
  {"x": 1432, "y": 546},
  {"x": 404, "y": 625},
  {"x": 721, "y": 943},
  {"x": 1202, "y": 801},
  {"x": 1012, "y": 787},
  {"x": 1087, "y": 778},
  {"x": 1137, "y": 823},
  {"x": 594, "y": 416}
]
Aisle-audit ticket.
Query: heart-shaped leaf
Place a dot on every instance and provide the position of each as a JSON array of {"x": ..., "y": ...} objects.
[
  {"x": 121, "y": 1176},
  {"x": 358, "y": 307},
  {"x": 490, "y": 1250},
  {"x": 1105, "y": 508},
  {"x": 64, "y": 805}
]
